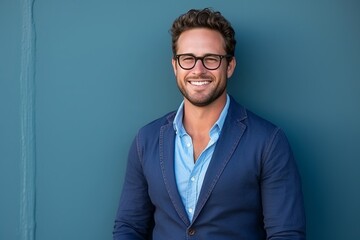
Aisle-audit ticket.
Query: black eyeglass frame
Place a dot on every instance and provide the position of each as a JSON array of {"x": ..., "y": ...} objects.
[{"x": 228, "y": 56}]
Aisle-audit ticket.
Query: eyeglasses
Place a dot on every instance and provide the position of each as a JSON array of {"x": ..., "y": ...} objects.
[{"x": 209, "y": 61}]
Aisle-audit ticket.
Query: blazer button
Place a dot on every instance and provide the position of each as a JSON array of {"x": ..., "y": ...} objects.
[{"x": 191, "y": 231}]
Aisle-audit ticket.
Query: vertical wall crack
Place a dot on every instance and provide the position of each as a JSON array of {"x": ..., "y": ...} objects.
[{"x": 27, "y": 115}]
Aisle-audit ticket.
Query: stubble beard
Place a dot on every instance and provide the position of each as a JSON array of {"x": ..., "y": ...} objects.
[{"x": 204, "y": 100}]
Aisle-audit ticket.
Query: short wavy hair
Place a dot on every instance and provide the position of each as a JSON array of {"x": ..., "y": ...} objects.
[{"x": 204, "y": 18}]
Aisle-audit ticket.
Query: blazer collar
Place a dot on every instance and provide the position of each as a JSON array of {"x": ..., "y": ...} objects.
[
  {"x": 166, "y": 153},
  {"x": 230, "y": 136}
]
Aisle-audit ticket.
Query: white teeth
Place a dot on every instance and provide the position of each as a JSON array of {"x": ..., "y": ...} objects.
[{"x": 199, "y": 83}]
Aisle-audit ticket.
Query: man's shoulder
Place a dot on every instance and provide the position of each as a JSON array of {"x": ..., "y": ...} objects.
[
  {"x": 257, "y": 130},
  {"x": 254, "y": 118},
  {"x": 154, "y": 126}
]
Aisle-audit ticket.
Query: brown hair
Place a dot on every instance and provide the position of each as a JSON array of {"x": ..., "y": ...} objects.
[{"x": 204, "y": 18}]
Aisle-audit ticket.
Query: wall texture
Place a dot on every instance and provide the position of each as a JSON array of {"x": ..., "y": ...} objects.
[{"x": 78, "y": 78}]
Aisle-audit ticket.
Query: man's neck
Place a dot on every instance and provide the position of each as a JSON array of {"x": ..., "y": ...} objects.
[{"x": 199, "y": 120}]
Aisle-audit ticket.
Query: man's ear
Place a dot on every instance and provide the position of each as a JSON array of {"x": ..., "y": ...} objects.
[
  {"x": 231, "y": 67},
  {"x": 173, "y": 62}
]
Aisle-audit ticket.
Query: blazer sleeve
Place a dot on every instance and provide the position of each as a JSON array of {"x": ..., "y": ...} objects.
[
  {"x": 134, "y": 219},
  {"x": 282, "y": 198}
]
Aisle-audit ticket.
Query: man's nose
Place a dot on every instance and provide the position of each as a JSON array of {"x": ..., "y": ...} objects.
[{"x": 199, "y": 66}]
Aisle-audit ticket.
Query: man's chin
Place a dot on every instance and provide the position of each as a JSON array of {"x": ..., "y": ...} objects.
[{"x": 201, "y": 102}]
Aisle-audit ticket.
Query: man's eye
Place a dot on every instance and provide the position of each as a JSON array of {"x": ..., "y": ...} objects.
[
  {"x": 187, "y": 58},
  {"x": 211, "y": 59}
]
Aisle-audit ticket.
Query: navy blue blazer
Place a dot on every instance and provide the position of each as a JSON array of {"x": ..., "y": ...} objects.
[{"x": 251, "y": 190}]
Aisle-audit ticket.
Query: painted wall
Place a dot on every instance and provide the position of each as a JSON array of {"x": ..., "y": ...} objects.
[
  {"x": 78, "y": 78},
  {"x": 10, "y": 137}
]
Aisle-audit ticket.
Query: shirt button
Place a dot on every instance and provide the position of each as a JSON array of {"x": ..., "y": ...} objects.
[
  {"x": 188, "y": 145},
  {"x": 190, "y": 210},
  {"x": 191, "y": 231},
  {"x": 192, "y": 179}
]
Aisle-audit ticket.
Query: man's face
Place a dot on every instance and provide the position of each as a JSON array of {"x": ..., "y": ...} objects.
[{"x": 199, "y": 85}]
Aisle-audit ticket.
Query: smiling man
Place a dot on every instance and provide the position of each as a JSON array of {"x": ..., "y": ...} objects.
[{"x": 212, "y": 169}]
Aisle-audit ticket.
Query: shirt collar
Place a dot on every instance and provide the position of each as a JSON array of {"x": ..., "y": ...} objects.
[{"x": 178, "y": 125}]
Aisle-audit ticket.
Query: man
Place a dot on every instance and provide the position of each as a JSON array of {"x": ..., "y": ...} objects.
[{"x": 211, "y": 170}]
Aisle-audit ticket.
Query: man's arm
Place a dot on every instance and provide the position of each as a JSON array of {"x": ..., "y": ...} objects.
[
  {"x": 134, "y": 219},
  {"x": 282, "y": 199}
]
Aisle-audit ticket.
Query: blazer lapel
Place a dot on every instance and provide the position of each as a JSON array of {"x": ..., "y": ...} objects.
[
  {"x": 229, "y": 138},
  {"x": 166, "y": 151}
]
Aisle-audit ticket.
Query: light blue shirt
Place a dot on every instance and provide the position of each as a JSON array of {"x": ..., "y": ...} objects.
[{"x": 189, "y": 175}]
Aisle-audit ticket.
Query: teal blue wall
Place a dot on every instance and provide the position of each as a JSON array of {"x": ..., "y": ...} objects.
[
  {"x": 102, "y": 69},
  {"x": 10, "y": 38}
]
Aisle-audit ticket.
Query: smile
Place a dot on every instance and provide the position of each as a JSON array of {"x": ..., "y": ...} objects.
[{"x": 199, "y": 83}]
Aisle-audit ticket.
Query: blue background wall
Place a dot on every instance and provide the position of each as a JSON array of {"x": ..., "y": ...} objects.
[{"x": 79, "y": 78}]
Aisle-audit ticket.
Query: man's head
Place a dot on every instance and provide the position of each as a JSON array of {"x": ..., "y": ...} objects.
[
  {"x": 205, "y": 18},
  {"x": 203, "y": 56}
]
